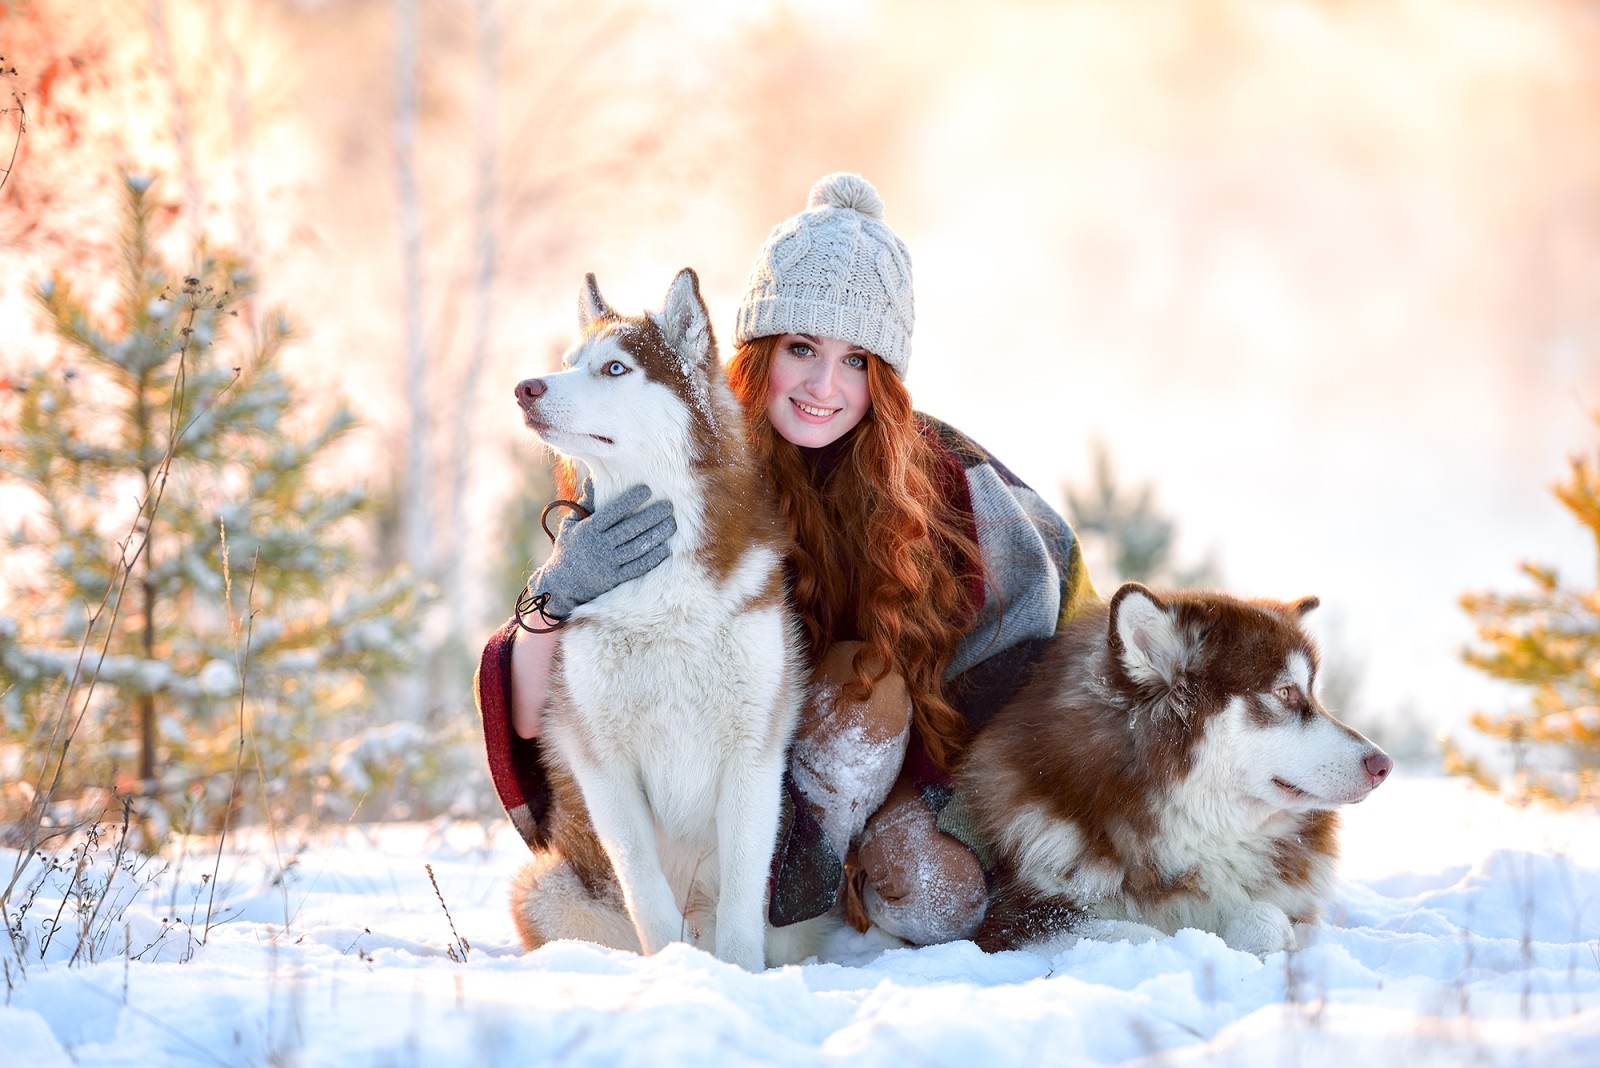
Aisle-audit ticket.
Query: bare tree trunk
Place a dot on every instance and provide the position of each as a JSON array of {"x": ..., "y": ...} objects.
[
  {"x": 464, "y": 577},
  {"x": 182, "y": 130},
  {"x": 415, "y": 525},
  {"x": 147, "y": 703},
  {"x": 240, "y": 121},
  {"x": 414, "y": 505},
  {"x": 147, "y": 588}
]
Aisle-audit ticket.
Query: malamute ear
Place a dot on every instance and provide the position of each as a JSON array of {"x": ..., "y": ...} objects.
[
  {"x": 592, "y": 307},
  {"x": 1304, "y": 605},
  {"x": 1144, "y": 636},
  {"x": 684, "y": 319}
]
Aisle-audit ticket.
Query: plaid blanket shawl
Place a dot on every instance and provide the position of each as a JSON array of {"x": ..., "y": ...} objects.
[{"x": 1034, "y": 578}]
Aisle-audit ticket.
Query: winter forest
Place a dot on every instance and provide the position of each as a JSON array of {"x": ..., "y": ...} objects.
[{"x": 1285, "y": 299}]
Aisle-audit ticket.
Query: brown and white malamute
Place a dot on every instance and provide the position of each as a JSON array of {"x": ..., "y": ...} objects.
[{"x": 1167, "y": 766}]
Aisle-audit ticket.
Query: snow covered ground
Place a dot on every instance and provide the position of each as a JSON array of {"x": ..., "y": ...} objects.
[{"x": 1467, "y": 931}]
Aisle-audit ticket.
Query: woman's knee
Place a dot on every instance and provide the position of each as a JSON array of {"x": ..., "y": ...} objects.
[
  {"x": 921, "y": 884},
  {"x": 833, "y": 706},
  {"x": 847, "y": 753}
]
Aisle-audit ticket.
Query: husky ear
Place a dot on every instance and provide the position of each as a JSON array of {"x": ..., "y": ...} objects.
[
  {"x": 592, "y": 307},
  {"x": 1144, "y": 635},
  {"x": 684, "y": 319},
  {"x": 1304, "y": 605}
]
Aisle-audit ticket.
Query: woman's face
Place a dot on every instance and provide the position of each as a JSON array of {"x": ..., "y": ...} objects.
[{"x": 817, "y": 391}]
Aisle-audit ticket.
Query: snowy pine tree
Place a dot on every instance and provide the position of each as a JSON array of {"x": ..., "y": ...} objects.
[
  {"x": 167, "y": 535},
  {"x": 1547, "y": 639},
  {"x": 1124, "y": 536}
]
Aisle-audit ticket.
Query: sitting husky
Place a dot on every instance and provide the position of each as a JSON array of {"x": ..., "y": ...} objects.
[
  {"x": 674, "y": 695},
  {"x": 1167, "y": 766}
]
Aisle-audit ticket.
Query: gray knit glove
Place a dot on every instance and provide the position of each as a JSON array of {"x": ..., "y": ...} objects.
[{"x": 595, "y": 554}]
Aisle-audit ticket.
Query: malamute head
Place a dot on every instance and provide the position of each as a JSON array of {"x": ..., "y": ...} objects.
[
  {"x": 1227, "y": 688},
  {"x": 639, "y": 398}
]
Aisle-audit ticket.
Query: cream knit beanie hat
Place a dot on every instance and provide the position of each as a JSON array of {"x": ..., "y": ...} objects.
[{"x": 834, "y": 270}]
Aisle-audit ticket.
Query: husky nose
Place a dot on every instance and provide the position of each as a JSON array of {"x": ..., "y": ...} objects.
[
  {"x": 530, "y": 390},
  {"x": 1378, "y": 766}
]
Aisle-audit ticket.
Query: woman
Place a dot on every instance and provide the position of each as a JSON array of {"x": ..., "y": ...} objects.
[{"x": 927, "y": 577}]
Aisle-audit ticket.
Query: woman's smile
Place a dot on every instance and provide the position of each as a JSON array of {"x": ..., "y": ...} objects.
[{"x": 817, "y": 390}]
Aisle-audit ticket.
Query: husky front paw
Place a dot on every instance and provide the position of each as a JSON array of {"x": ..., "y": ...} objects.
[
  {"x": 747, "y": 953},
  {"x": 656, "y": 933},
  {"x": 1259, "y": 928}
]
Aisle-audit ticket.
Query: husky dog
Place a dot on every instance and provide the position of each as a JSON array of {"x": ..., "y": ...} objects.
[
  {"x": 1167, "y": 766},
  {"x": 674, "y": 695}
]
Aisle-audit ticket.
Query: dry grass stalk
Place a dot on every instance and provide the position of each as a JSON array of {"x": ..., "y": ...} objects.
[{"x": 458, "y": 949}]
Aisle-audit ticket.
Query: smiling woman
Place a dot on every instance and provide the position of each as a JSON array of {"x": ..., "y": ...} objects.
[{"x": 817, "y": 390}]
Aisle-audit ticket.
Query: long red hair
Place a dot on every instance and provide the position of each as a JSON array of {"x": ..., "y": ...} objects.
[{"x": 880, "y": 552}]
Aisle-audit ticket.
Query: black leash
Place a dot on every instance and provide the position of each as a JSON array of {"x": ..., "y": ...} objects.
[{"x": 529, "y": 602}]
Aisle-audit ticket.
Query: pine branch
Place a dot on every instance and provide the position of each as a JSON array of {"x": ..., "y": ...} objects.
[{"x": 1548, "y": 640}]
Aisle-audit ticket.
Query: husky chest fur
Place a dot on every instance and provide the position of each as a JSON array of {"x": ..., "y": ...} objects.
[
  {"x": 1168, "y": 766},
  {"x": 674, "y": 695}
]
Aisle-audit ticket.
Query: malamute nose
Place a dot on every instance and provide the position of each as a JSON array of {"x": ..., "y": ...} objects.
[
  {"x": 1378, "y": 765},
  {"x": 530, "y": 390}
]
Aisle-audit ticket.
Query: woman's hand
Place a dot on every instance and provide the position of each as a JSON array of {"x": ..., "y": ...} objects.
[{"x": 595, "y": 554}]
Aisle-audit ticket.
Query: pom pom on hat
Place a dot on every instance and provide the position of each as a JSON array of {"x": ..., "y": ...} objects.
[
  {"x": 834, "y": 270},
  {"x": 846, "y": 190}
]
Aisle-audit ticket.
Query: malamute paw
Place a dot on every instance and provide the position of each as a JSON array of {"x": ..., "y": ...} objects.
[{"x": 1259, "y": 928}]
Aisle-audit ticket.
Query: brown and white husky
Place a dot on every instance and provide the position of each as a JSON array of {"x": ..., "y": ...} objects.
[
  {"x": 1167, "y": 766},
  {"x": 674, "y": 695}
]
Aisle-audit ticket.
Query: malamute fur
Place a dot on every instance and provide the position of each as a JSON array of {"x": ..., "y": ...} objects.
[
  {"x": 674, "y": 695},
  {"x": 1168, "y": 766}
]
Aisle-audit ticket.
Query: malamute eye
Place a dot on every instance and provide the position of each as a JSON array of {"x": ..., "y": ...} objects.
[
  {"x": 616, "y": 368},
  {"x": 1286, "y": 694}
]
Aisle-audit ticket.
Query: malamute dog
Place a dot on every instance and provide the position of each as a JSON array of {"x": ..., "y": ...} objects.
[
  {"x": 674, "y": 695},
  {"x": 1167, "y": 766}
]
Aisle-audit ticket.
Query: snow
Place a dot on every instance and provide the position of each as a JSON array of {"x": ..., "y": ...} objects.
[
  {"x": 1466, "y": 931},
  {"x": 218, "y": 678}
]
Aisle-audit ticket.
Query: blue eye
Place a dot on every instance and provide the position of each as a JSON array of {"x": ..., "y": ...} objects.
[
  {"x": 616, "y": 369},
  {"x": 800, "y": 348},
  {"x": 857, "y": 360}
]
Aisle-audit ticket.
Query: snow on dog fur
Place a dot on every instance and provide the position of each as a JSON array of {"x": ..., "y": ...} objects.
[
  {"x": 673, "y": 696},
  {"x": 1167, "y": 766}
]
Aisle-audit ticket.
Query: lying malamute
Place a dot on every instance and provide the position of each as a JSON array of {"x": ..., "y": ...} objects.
[
  {"x": 1167, "y": 766},
  {"x": 674, "y": 695}
]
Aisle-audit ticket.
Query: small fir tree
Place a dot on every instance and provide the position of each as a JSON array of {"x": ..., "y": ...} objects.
[
  {"x": 1547, "y": 639},
  {"x": 1133, "y": 539},
  {"x": 179, "y": 581}
]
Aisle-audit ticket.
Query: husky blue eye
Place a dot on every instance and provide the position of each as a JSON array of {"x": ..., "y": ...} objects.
[{"x": 616, "y": 368}]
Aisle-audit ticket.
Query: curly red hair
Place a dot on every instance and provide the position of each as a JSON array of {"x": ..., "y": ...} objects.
[{"x": 879, "y": 553}]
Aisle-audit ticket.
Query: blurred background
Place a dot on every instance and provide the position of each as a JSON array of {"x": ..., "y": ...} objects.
[{"x": 1309, "y": 288}]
